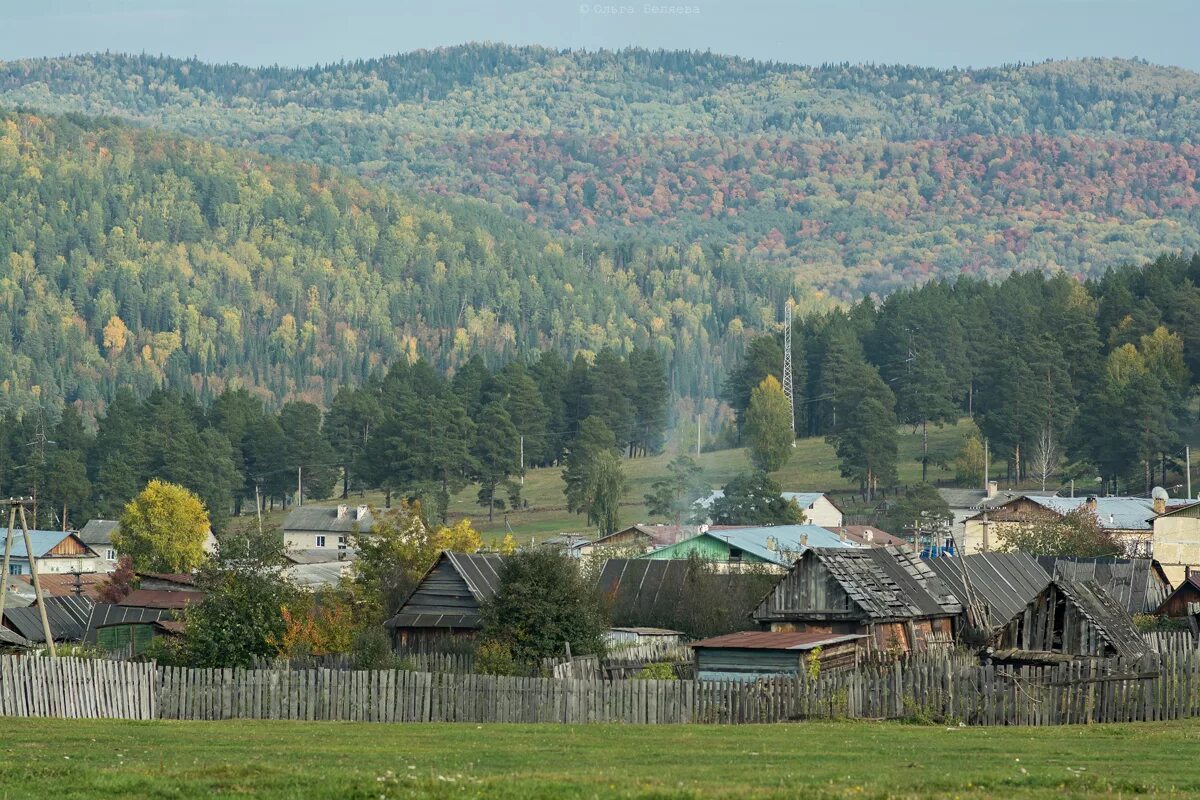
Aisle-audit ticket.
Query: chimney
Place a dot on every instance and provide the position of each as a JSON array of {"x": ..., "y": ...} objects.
[
  {"x": 868, "y": 535},
  {"x": 804, "y": 540},
  {"x": 1090, "y": 503},
  {"x": 772, "y": 543},
  {"x": 343, "y": 511},
  {"x": 992, "y": 488},
  {"x": 1160, "y": 506},
  {"x": 360, "y": 512},
  {"x": 1111, "y": 519}
]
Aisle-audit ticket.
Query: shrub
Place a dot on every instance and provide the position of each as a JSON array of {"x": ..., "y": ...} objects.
[
  {"x": 657, "y": 672},
  {"x": 494, "y": 658}
]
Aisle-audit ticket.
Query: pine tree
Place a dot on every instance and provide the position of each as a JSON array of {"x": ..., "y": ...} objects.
[{"x": 495, "y": 453}]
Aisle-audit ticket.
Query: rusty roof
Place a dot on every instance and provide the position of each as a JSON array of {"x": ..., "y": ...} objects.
[
  {"x": 776, "y": 640},
  {"x": 161, "y": 598},
  {"x": 182, "y": 578},
  {"x": 63, "y": 585}
]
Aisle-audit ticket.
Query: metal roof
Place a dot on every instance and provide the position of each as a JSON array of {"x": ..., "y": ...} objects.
[
  {"x": 1003, "y": 582},
  {"x": 1136, "y": 583},
  {"x": 63, "y": 584},
  {"x": 776, "y": 640},
  {"x": 1103, "y": 611},
  {"x": 480, "y": 573},
  {"x": 775, "y": 544},
  {"x": 68, "y": 618},
  {"x": 98, "y": 531},
  {"x": 42, "y": 541},
  {"x": 325, "y": 519},
  {"x": 889, "y": 582},
  {"x": 1114, "y": 513},
  {"x": 654, "y": 591},
  {"x": 106, "y": 614}
]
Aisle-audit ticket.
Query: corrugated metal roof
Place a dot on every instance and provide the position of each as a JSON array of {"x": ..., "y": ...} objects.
[
  {"x": 404, "y": 620},
  {"x": 325, "y": 519},
  {"x": 775, "y": 544},
  {"x": 1136, "y": 583},
  {"x": 42, "y": 541},
  {"x": 1114, "y": 513},
  {"x": 106, "y": 614},
  {"x": 889, "y": 582},
  {"x": 654, "y": 591},
  {"x": 68, "y": 618},
  {"x": 480, "y": 571},
  {"x": 423, "y": 607},
  {"x": 1004, "y": 582},
  {"x": 775, "y": 640}
]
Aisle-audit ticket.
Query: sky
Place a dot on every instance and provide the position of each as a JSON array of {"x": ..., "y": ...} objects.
[{"x": 938, "y": 33}]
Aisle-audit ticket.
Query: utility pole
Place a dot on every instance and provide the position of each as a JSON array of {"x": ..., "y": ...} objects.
[
  {"x": 522, "y": 460},
  {"x": 787, "y": 367},
  {"x": 697, "y": 436},
  {"x": 258, "y": 503},
  {"x": 300, "y": 486},
  {"x": 16, "y": 508},
  {"x": 1187, "y": 459}
]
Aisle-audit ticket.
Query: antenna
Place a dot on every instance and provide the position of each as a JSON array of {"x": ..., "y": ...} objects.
[{"x": 787, "y": 366}]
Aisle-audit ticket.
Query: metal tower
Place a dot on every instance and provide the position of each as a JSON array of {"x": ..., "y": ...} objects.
[{"x": 787, "y": 364}]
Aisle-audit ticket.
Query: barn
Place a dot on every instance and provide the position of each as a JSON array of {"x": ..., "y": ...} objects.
[{"x": 885, "y": 593}]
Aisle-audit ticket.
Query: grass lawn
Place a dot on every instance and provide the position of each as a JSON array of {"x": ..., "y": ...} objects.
[{"x": 64, "y": 759}]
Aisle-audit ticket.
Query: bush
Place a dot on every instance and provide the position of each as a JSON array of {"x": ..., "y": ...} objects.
[
  {"x": 494, "y": 658},
  {"x": 372, "y": 649},
  {"x": 656, "y": 672}
]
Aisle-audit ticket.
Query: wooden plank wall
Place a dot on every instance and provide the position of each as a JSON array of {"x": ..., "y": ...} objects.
[{"x": 929, "y": 687}]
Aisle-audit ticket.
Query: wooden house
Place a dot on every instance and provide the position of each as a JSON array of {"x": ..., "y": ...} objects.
[
  {"x": 751, "y": 655},
  {"x": 1069, "y": 618},
  {"x": 886, "y": 593},
  {"x": 1183, "y": 601},
  {"x": 54, "y": 552},
  {"x": 445, "y": 604},
  {"x": 992, "y": 587},
  {"x": 128, "y": 629}
]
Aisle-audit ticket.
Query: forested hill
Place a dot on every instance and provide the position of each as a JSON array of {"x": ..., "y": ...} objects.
[
  {"x": 138, "y": 259},
  {"x": 859, "y": 178}
]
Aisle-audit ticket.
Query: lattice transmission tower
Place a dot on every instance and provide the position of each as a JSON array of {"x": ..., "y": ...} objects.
[{"x": 787, "y": 366}]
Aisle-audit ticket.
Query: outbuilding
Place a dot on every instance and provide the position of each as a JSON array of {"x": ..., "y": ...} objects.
[{"x": 751, "y": 655}]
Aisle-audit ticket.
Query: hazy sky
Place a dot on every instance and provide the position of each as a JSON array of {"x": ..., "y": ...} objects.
[{"x": 299, "y": 32}]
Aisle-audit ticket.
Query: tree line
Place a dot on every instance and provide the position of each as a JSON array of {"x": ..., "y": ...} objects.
[
  {"x": 411, "y": 431},
  {"x": 1064, "y": 379}
]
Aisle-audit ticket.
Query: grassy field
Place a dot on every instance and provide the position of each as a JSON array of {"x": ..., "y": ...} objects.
[
  {"x": 73, "y": 759},
  {"x": 813, "y": 467}
]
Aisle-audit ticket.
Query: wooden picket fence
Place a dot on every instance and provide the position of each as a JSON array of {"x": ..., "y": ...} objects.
[
  {"x": 77, "y": 688},
  {"x": 931, "y": 688}
]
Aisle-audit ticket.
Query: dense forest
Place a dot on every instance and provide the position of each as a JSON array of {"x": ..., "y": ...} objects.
[
  {"x": 410, "y": 431},
  {"x": 859, "y": 179},
  {"x": 1064, "y": 379},
  {"x": 143, "y": 260}
]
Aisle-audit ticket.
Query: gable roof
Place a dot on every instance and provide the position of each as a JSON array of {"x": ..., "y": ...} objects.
[
  {"x": 1190, "y": 584},
  {"x": 98, "y": 531},
  {"x": 775, "y": 544},
  {"x": 803, "y": 499},
  {"x": 888, "y": 582},
  {"x": 1103, "y": 611},
  {"x": 1004, "y": 583},
  {"x": 866, "y": 535},
  {"x": 1138, "y": 584},
  {"x": 1113, "y": 513},
  {"x": 659, "y": 592},
  {"x": 42, "y": 542},
  {"x": 480, "y": 572}
]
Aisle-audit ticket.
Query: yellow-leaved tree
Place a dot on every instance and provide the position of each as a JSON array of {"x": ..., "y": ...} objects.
[{"x": 163, "y": 529}]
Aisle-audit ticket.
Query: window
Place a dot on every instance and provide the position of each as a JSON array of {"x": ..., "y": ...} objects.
[
  {"x": 341, "y": 543},
  {"x": 14, "y": 569},
  {"x": 735, "y": 554},
  {"x": 320, "y": 541},
  {"x": 111, "y": 555}
]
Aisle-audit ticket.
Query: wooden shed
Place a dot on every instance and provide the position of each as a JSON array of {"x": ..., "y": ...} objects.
[
  {"x": 750, "y": 655},
  {"x": 886, "y": 593},
  {"x": 445, "y": 605},
  {"x": 1070, "y": 618}
]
